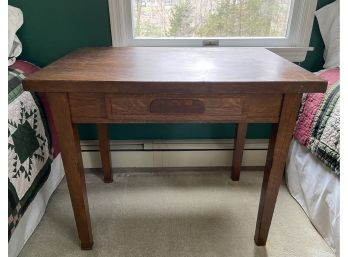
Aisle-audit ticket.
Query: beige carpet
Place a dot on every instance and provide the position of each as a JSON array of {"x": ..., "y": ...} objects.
[{"x": 175, "y": 215}]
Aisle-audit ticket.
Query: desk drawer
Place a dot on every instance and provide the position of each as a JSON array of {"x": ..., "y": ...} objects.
[
  {"x": 174, "y": 108},
  {"x": 99, "y": 107}
]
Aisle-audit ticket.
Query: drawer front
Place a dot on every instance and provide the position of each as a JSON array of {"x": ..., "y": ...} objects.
[
  {"x": 112, "y": 108},
  {"x": 178, "y": 108}
]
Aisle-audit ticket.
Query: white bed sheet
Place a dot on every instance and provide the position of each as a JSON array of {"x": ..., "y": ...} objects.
[
  {"x": 36, "y": 209},
  {"x": 317, "y": 190}
]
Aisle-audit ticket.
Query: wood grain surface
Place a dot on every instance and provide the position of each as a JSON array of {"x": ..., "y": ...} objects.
[
  {"x": 71, "y": 154},
  {"x": 139, "y": 70},
  {"x": 279, "y": 146},
  {"x": 152, "y": 84},
  {"x": 239, "y": 140},
  {"x": 104, "y": 148},
  {"x": 114, "y": 108}
]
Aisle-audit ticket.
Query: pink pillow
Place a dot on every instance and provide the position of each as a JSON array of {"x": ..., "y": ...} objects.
[{"x": 26, "y": 67}]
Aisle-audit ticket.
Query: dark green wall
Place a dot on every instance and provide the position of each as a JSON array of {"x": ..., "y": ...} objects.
[
  {"x": 52, "y": 29},
  {"x": 314, "y": 60},
  {"x": 175, "y": 131}
]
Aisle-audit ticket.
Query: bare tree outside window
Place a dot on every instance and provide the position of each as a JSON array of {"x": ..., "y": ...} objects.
[{"x": 210, "y": 18}]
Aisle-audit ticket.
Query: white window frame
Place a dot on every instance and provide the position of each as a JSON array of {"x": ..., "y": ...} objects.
[{"x": 293, "y": 47}]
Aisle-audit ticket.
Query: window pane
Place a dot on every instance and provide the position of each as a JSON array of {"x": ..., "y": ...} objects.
[{"x": 210, "y": 18}]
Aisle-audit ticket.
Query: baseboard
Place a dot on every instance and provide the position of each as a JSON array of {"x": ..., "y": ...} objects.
[{"x": 174, "y": 153}]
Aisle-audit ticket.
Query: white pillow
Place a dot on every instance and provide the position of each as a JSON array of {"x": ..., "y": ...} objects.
[
  {"x": 329, "y": 25},
  {"x": 15, "y": 21}
]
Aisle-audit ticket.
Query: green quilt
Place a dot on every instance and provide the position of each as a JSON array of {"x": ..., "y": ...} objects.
[{"x": 29, "y": 156}]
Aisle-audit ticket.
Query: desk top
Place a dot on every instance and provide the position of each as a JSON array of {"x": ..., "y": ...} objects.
[{"x": 174, "y": 70}]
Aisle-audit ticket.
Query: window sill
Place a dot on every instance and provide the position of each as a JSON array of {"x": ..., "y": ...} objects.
[{"x": 293, "y": 54}]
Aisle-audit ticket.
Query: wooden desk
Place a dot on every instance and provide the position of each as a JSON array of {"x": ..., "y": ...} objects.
[{"x": 139, "y": 85}]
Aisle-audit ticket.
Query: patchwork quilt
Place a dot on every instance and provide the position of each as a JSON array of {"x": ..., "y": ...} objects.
[
  {"x": 318, "y": 124},
  {"x": 29, "y": 148}
]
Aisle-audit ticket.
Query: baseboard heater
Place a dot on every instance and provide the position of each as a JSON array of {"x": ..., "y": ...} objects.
[{"x": 174, "y": 153}]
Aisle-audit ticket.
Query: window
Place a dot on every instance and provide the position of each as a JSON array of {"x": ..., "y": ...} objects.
[
  {"x": 210, "y": 18},
  {"x": 283, "y": 26}
]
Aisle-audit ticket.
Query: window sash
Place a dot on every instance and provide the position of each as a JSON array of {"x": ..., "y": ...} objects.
[
  {"x": 208, "y": 37},
  {"x": 294, "y": 46}
]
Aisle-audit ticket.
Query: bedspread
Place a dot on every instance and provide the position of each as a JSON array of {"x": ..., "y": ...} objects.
[
  {"x": 318, "y": 123},
  {"x": 29, "y": 148}
]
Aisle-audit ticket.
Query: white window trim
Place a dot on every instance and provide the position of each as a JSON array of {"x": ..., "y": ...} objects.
[{"x": 294, "y": 47}]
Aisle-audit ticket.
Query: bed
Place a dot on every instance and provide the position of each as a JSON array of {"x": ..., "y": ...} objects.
[
  {"x": 313, "y": 165},
  {"x": 34, "y": 164},
  {"x": 35, "y": 167}
]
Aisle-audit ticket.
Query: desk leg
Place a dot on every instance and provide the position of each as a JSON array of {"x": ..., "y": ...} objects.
[
  {"x": 278, "y": 150},
  {"x": 71, "y": 154},
  {"x": 239, "y": 143},
  {"x": 104, "y": 149}
]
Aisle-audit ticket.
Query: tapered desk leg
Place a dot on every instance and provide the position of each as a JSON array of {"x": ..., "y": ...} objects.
[
  {"x": 278, "y": 150},
  {"x": 71, "y": 154},
  {"x": 104, "y": 149},
  {"x": 238, "y": 150}
]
